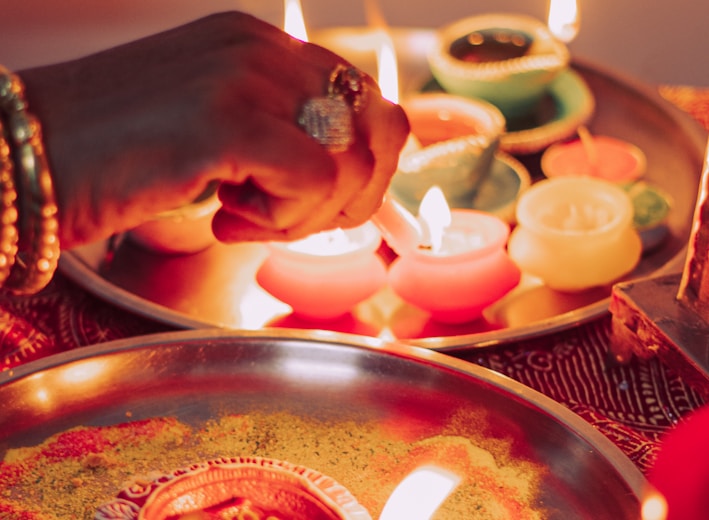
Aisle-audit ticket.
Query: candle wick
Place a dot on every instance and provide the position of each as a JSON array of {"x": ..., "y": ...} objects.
[
  {"x": 426, "y": 242},
  {"x": 588, "y": 145}
]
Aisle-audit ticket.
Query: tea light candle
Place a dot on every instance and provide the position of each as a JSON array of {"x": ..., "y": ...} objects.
[
  {"x": 575, "y": 233},
  {"x": 463, "y": 270},
  {"x": 599, "y": 156},
  {"x": 323, "y": 276}
]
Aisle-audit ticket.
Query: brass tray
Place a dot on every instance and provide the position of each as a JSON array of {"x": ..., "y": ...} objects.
[
  {"x": 217, "y": 288},
  {"x": 201, "y": 374}
]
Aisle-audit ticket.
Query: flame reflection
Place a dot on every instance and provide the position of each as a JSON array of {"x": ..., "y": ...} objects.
[{"x": 420, "y": 494}]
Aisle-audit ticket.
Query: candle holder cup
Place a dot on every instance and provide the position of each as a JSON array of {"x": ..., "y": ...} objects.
[
  {"x": 575, "y": 233},
  {"x": 455, "y": 286},
  {"x": 323, "y": 284}
]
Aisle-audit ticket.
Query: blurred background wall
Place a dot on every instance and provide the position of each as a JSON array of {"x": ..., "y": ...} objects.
[{"x": 653, "y": 41}]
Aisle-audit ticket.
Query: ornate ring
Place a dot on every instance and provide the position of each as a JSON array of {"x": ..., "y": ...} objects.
[
  {"x": 329, "y": 121},
  {"x": 348, "y": 83}
]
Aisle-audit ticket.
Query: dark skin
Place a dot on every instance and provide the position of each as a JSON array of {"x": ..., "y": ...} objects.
[{"x": 144, "y": 127}]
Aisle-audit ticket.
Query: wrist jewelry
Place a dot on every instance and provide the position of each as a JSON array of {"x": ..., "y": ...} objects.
[
  {"x": 8, "y": 209},
  {"x": 35, "y": 265}
]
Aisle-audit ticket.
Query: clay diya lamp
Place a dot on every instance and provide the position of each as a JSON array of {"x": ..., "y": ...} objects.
[
  {"x": 506, "y": 59},
  {"x": 241, "y": 487},
  {"x": 323, "y": 276},
  {"x": 459, "y": 154}
]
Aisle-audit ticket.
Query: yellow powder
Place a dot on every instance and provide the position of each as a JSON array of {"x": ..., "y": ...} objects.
[{"x": 70, "y": 474}]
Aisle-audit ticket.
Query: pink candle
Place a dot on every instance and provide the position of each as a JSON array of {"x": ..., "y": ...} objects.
[
  {"x": 599, "y": 156},
  {"x": 469, "y": 271},
  {"x": 322, "y": 277}
]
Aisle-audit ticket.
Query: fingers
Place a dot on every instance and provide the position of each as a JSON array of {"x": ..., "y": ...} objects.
[
  {"x": 283, "y": 202},
  {"x": 282, "y": 183}
]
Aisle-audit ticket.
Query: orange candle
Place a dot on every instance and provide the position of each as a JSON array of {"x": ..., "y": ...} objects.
[{"x": 598, "y": 156}]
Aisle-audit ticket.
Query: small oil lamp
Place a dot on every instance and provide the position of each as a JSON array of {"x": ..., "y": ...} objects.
[
  {"x": 460, "y": 266},
  {"x": 323, "y": 276},
  {"x": 575, "y": 233},
  {"x": 236, "y": 487},
  {"x": 506, "y": 59}
]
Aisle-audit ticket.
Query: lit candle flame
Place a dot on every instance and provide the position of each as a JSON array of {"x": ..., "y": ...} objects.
[
  {"x": 294, "y": 23},
  {"x": 654, "y": 507},
  {"x": 564, "y": 19},
  {"x": 387, "y": 68},
  {"x": 420, "y": 494},
  {"x": 435, "y": 216}
]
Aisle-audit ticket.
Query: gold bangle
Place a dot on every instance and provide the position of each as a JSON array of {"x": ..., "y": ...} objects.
[
  {"x": 8, "y": 209},
  {"x": 35, "y": 266}
]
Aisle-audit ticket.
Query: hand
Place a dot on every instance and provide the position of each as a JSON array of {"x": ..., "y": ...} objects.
[{"x": 144, "y": 127}]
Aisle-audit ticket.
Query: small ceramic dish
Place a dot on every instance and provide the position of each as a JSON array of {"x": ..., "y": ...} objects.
[
  {"x": 506, "y": 59},
  {"x": 494, "y": 190},
  {"x": 567, "y": 104},
  {"x": 651, "y": 210},
  {"x": 184, "y": 230},
  {"x": 438, "y": 116}
]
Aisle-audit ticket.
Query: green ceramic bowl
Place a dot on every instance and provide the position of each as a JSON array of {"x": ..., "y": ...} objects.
[{"x": 506, "y": 59}]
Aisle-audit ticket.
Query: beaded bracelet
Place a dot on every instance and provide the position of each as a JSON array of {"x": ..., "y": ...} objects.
[
  {"x": 34, "y": 267},
  {"x": 8, "y": 209}
]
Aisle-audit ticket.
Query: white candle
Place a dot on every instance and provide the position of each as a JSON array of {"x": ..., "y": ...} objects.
[{"x": 575, "y": 233}]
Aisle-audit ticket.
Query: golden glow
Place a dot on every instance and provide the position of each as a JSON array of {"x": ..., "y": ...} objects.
[
  {"x": 42, "y": 396},
  {"x": 435, "y": 215},
  {"x": 564, "y": 20},
  {"x": 311, "y": 370},
  {"x": 84, "y": 372},
  {"x": 654, "y": 507},
  {"x": 420, "y": 494},
  {"x": 294, "y": 23}
]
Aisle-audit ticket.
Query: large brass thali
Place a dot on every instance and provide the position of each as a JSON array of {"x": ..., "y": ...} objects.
[
  {"x": 196, "y": 375},
  {"x": 216, "y": 287}
]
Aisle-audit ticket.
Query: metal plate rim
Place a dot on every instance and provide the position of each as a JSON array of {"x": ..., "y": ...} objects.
[{"x": 411, "y": 353}]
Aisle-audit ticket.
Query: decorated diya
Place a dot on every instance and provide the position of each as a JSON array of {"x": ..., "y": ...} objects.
[
  {"x": 249, "y": 488},
  {"x": 506, "y": 59}
]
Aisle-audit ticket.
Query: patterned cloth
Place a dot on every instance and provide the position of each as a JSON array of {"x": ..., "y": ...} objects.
[{"x": 633, "y": 404}]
